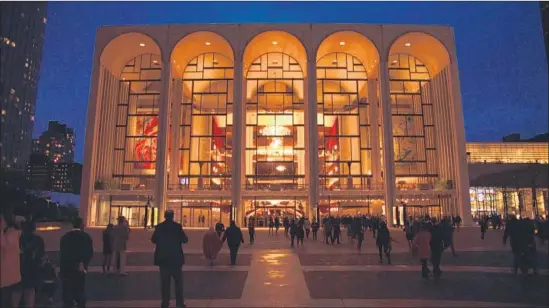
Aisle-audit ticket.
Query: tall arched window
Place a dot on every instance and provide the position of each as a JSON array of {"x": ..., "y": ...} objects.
[
  {"x": 343, "y": 122},
  {"x": 275, "y": 133},
  {"x": 206, "y": 128},
  {"x": 136, "y": 127},
  {"x": 413, "y": 124}
]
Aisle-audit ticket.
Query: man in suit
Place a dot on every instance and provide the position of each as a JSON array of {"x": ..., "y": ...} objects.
[
  {"x": 168, "y": 256},
  {"x": 76, "y": 251},
  {"x": 234, "y": 238}
]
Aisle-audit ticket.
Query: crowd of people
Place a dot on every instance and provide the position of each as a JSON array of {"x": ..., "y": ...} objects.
[{"x": 27, "y": 275}]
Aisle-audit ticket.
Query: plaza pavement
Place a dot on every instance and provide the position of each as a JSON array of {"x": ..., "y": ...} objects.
[{"x": 271, "y": 274}]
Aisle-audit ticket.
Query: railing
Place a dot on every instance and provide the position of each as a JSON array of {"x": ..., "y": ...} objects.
[
  {"x": 345, "y": 187},
  {"x": 200, "y": 187},
  {"x": 275, "y": 187}
]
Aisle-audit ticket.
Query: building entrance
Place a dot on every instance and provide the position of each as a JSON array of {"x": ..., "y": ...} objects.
[{"x": 264, "y": 210}]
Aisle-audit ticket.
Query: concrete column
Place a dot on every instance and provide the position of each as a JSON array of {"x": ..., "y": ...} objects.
[
  {"x": 387, "y": 130},
  {"x": 177, "y": 89},
  {"x": 312, "y": 129},
  {"x": 460, "y": 153},
  {"x": 238, "y": 134},
  {"x": 162, "y": 139},
  {"x": 90, "y": 146},
  {"x": 374, "y": 131}
]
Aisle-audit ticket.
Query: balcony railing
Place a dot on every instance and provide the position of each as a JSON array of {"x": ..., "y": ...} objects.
[
  {"x": 200, "y": 187},
  {"x": 345, "y": 187},
  {"x": 275, "y": 187}
]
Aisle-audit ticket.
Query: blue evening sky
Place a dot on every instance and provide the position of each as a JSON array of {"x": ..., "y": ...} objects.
[{"x": 503, "y": 69}]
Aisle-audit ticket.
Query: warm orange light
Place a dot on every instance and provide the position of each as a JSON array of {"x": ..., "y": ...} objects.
[
  {"x": 275, "y": 43},
  {"x": 408, "y": 44},
  {"x": 342, "y": 43},
  {"x": 208, "y": 43},
  {"x": 142, "y": 44}
]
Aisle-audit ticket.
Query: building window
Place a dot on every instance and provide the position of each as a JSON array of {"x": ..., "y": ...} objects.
[
  {"x": 137, "y": 118},
  {"x": 344, "y": 122},
  {"x": 414, "y": 137},
  {"x": 275, "y": 115},
  {"x": 207, "y": 123}
]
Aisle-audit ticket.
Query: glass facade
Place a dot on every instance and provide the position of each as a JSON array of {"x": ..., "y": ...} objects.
[
  {"x": 136, "y": 126},
  {"x": 507, "y": 201},
  {"x": 344, "y": 143},
  {"x": 275, "y": 132},
  {"x": 414, "y": 137},
  {"x": 206, "y": 117}
]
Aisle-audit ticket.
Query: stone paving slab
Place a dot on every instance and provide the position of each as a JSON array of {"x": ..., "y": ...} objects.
[
  {"x": 147, "y": 258},
  {"x": 146, "y": 286},
  {"x": 491, "y": 259},
  {"x": 453, "y": 286}
]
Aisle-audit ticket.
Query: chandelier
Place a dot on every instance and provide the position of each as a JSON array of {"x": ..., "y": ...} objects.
[{"x": 275, "y": 130}]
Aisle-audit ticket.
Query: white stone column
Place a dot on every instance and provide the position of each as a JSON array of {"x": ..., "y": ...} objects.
[
  {"x": 162, "y": 139},
  {"x": 91, "y": 141},
  {"x": 374, "y": 132},
  {"x": 238, "y": 134},
  {"x": 387, "y": 130},
  {"x": 460, "y": 154},
  {"x": 175, "y": 131},
  {"x": 312, "y": 137}
]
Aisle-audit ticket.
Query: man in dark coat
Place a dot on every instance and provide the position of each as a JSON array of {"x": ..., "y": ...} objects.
[
  {"x": 168, "y": 256},
  {"x": 76, "y": 251},
  {"x": 437, "y": 246},
  {"x": 234, "y": 238}
]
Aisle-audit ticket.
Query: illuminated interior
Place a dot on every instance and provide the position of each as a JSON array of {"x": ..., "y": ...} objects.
[
  {"x": 507, "y": 152},
  {"x": 274, "y": 113},
  {"x": 137, "y": 117},
  {"x": 203, "y": 69},
  {"x": 516, "y": 201}
]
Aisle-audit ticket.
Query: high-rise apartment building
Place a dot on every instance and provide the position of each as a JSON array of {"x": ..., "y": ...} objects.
[
  {"x": 57, "y": 143},
  {"x": 21, "y": 41}
]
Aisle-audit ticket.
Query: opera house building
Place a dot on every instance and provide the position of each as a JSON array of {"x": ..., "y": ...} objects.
[{"x": 228, "y": 121}]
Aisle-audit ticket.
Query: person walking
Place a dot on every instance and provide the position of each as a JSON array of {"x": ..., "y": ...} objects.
[
  {"x": 328, "y": 230},
  {"x": 271, "y": 225},
  {"x": 300, "y": 234},
  {"x": 277, "y": 224},
  {"x": 251, "y": 230},
  {"x": 120, "y": 236},
  {"x": 219, "y": 228},
  {"x": 336, "y": 226},
  {"x": 383, "y": 242},
  {"x": 286, "y": 223},
  {"x": 233, "y": 236},
  {"x": 107, "y": 249},
  {"x": 76, "y": 251},
  {"x": 211, "y": 244},
  {"x": 409, "y": 230},
  {"x": 168, "y": 237},
  {"x": 32, "y": 252},
  {"x": 437, "y": 246},
  {"x": 314, "y": 228},
  {"x": 359, "y": 239},
  {"x": 483, "y": 227},
  {"x": 448, "y": 232},
  {"x": 422, "y": 248},
  {"x": 10, "y": 270},
  {"x": 307, "y": 226},
  {"x": 293, "y": 232}
]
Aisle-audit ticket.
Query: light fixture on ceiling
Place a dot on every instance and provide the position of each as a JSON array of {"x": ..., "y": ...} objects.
[
  {"x": 275, "y": 43},
  {"x": 342, "y": 43},
  {"x": 142, "y": 44},
  {"x": 280, "y": 168},
  {"x": 155, "y": 61},
  {"x": 208, "y": 43},
  {"x": 408, "y": 44},
  {"x": 334, "y": 61},
  {"x": 275, "y": 61},
  {"x": 394, "y": 62},
  {"x": 215, "y": 62}
]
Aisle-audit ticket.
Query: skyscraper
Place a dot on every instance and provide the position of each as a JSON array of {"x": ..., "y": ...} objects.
[
  {"x": 57, "y": 143},
  {"x": 21, "y": 41}
]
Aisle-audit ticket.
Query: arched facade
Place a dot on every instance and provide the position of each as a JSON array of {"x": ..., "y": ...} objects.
[{"x": 273, "y": 120}]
